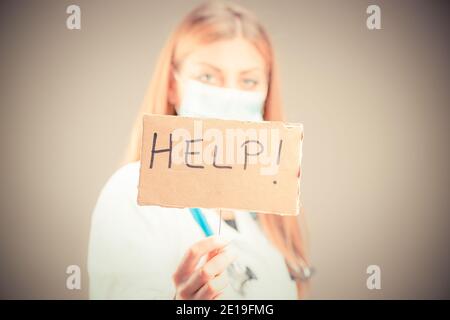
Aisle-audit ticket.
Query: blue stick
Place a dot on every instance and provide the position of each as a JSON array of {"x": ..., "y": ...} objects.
[{"x": 201, "y": 220}]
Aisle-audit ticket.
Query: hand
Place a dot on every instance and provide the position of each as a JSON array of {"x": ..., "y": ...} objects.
[{"x": 208, "y": 281}]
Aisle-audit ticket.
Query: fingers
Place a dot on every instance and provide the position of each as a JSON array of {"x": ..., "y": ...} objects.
[
  {"x": 209, "y": 271},
  {"x": 193, "y": 255},
  {"x": 213, "y": 288}
]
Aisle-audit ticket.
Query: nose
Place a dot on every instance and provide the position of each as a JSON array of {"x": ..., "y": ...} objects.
[{"x": 231, "y": 81}]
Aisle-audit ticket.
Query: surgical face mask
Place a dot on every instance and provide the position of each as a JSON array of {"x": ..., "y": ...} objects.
[{"x": 207, "y": 101}]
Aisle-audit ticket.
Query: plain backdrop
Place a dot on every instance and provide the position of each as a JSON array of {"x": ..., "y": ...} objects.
[{"x": 374, "y": 104}]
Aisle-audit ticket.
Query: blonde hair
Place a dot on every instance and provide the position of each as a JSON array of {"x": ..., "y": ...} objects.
[{"x": 209, "y": 22}]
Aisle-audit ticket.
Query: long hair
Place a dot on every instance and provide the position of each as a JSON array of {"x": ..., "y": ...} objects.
[{"x": 210, "y": 22}]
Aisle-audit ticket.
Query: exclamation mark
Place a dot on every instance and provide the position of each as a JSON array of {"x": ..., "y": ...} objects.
[{"x": 279, "y": 156}]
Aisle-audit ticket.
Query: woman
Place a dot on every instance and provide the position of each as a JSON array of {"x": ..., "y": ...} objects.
[{"x": 220, "y": 49}]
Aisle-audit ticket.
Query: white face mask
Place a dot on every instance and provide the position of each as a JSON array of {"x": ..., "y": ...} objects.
[{"x": 207, "y": 101}]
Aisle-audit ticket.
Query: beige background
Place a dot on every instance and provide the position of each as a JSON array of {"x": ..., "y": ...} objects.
[{"x": 375, "y": 106}]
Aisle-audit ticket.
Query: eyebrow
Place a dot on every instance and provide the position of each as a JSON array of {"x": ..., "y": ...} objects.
[
  {"x": 210, "y": 66},
  {"x": 219, "y": 70},
  {"x": 252, "y": 69}
]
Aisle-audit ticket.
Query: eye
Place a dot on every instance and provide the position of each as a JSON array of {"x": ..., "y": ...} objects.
[
  {"x": 249, "y": 83},
  {"x": 208, "y": 78}
]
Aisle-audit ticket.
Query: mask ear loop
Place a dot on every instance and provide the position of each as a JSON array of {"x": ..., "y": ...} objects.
[
  {"x": 176, "y": 75},
  {"x": 177, "y": 78},
  {"x": 176, "y": 72}
]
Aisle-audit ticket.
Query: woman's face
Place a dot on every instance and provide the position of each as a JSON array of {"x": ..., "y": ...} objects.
[{"x": 233, "y": 63}]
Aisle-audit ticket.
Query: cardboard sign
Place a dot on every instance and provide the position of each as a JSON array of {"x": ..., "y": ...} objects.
[{"x": 211, "y": 163}]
